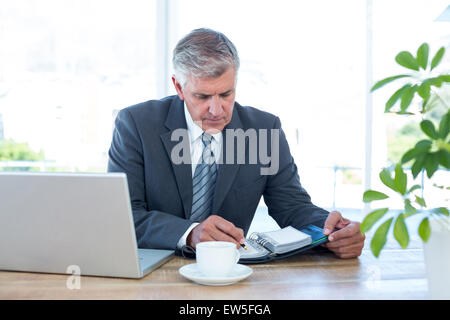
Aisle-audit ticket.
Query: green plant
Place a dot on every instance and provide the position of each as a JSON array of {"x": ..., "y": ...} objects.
[
  {"x": 14, "y": 151},
  {"x": 426, "y": 155}
]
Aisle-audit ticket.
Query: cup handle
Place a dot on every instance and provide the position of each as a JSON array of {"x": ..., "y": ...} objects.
[{"x": 238, "y": 255}]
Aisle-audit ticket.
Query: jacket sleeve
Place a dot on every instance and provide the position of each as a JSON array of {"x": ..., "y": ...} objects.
[
  {"x": 287, "y": 201},
  {"x": 154, "y": 229}
]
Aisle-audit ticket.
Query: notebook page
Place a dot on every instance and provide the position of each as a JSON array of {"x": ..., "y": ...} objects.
[{"x": 287, "y": 235}]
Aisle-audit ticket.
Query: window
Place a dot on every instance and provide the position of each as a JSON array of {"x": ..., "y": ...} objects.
[
  {"x": 397, "y": 26},
  {"x": 66, "y": 67},
  {"x": 304, "y": 62}
]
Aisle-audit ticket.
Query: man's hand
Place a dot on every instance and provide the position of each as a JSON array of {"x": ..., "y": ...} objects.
[
  {"x": 215, "y": 228},
  {"x": 348, "y": 241}
]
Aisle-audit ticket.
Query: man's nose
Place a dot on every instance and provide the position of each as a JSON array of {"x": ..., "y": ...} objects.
[{"x": 215, "y": 106}]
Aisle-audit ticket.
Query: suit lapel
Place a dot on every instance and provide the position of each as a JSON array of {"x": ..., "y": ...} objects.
[
  {"x": 183, "y": 172},
  {"x": 227, "y": 172}
]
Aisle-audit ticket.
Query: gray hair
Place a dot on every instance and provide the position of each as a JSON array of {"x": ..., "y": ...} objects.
[{"x": 204, "y": 53}]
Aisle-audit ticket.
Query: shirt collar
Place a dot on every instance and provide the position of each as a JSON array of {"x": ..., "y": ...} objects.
[{"x": 194, "y": 130}]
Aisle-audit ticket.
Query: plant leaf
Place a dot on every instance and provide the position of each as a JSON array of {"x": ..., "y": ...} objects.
[
  {"x": 444, "y": 126},
  {"x": 409, "y": 155},
  {"x": 409, "y": 209},
  {"x": 394, "y": 98},
  {"x": 418, "y": 165},
  {"x": 401, "y": 231},
  {"x": 424, "y": 105},
  {"x": 420, "y": 201},
  {"x": 436, "y": 81},
  {"x": 424, "y": 90},
  {"x": 431, "y": 164},
  {"x": 400, "y": 179},
  {"x": 422, "y": 55},
  {"x": 428, "y": 128},
  {"x": 385, "y": 177},
  {"x": 437, "y": 58},
  {"x": 414, "y": 187},
  {"x": 380, "y": 237},
  {"x": 424, "y": 229},
  {"x": 381, "y": 83},
  {"x": 407, "y": 60},
  {"x": 372, "y": 218},
  {"x": 407, "y": 98},
  {"x": 421, "y": 147},
  {"x": 444, "y": 77},
  {"x": 444, "y": 158},
  {"x": 372, "y": 195},
  {"x": 440, "y": 187},
  {"x": 441, "y": 210}
]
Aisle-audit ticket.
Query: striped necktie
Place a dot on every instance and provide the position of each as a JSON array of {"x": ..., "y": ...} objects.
[{"x": 204, "y": 182}]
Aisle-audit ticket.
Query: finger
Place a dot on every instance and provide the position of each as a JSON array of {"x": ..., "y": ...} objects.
[
  {"x": 218, "y": 235},
  {"x": 348, "y": 255},
  {"x": 346, "y": 232},
  {"x": 345, "y": 220},
  {"x": 357, "y": 238},
  {"x": 351, "y": 251},
  {"x": 228, "y": 228},
  {"x": 201, "y": 232},
  {"x": 344, "y": 242},
  {"x": 333, "y": 218},
  {"x": 200, "y": 237},
  {"x": 343, "y": 223},
  {"x": 354, "y": 248}
]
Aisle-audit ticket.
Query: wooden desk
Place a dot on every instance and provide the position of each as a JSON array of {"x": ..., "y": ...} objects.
[{"x": 397, "y": 274}]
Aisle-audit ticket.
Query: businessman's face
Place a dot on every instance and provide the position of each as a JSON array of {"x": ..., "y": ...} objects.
[{"x": 210, "y": 101}]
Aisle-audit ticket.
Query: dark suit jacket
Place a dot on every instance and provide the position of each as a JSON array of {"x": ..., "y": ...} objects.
[{"x": 161, "y": 191}]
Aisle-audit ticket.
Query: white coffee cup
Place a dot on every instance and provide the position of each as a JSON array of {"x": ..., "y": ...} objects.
[{"x": 216, "y": 258}]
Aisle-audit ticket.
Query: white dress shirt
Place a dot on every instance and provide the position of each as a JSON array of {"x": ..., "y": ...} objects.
[{"x": 196, "y": 144}]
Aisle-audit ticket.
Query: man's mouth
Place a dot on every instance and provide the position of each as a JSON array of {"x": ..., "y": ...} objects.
[{"x": 214, "y": 120}]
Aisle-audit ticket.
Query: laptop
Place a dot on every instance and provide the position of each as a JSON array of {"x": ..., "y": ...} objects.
[{"x": 60, "y": 222}]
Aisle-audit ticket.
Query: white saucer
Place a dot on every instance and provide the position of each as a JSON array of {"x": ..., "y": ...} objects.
[{"x": 238, "y": 273}]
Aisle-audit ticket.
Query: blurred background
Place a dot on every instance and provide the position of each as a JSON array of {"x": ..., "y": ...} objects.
[{"x": 67, "y": 67}]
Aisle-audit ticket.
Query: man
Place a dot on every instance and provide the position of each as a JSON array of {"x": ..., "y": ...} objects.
[{"x": 187, "y": 184}]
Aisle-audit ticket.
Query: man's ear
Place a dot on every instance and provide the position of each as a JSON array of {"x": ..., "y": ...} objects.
[{"x": 178, "y": 88}]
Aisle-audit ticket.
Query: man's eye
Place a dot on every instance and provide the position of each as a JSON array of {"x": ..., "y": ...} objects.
[
  {"x": 226, "y": 94},
  {"x": 201, "y": 97}
]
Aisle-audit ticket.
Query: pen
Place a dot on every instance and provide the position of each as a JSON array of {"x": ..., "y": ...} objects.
[{"x": 243, "y": 246}]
